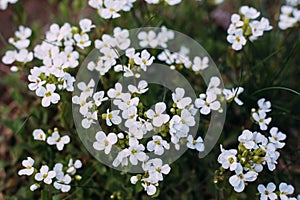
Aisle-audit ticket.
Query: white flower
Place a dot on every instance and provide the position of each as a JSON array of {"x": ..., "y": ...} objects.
[
  {"x": 148, "y": 187},
  {"x": 267, "y": 192},
  {"x": 179, "y": 99},
  {"x": 157, "y": 116},
  {"x": 145, "y": 60},
  {"x": 249, "y": 12},
  {"x": 122, "y": 38},
  {"x": 45, "y": 175},
  {"x": 167, "y": 57},
  {"x": 233, "y": 94},
  {"x": 55, "y": 139},
  {"x": 4, "y": 3},
  {"x": 29, "y": 169},
  {"x": 156, "y": 169},
  {"x": 122, "y": 158},
  {"x": 48, "y": 94},
  {"x": 87, "y": 89},
  {"x": 62, "y": 183},
  {"x": 236, "y": 21},
  {"x": 113, "y": 117},
  {"x": 158, "y": 145},
  {"x": 286, "y": 22},
  {"x": 277, "y": 137},
  {"x": 247, "y": 139},
  {"x": 213, "y": 86},
  {"x": 115, "y": 93},
  {"x": 237, "y": 39},
  {"x": 195, "y": 143},
  {"x": 72, "y": 166},
  {"x": 140, "y": 89},
  {"x": 82, "y": 41},
  {"x": 38, "y": 134},
  {"x": 228, "y": 159},
  {"x": 260, "y": 118},
  {"x": 264, "y": 105},
  {"x": 136, "y": 153},
  {"x": 104, "y": 142},
  {"x": 86, "y": 25},
  {"x": 99, "y": 98},
  {"x": 111, "y": 9},
  {"x": 148, "y": 39},
  {"x": 238, "y": 180},
  {"x": 200, "y": 64},
  {"x": 207, "y": 102},
  {"x": 285, "y": 190},
  {"x": 89, "y": 119}
]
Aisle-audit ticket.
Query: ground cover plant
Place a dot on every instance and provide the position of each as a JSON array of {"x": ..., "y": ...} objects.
[{"x": 149, "y": 99}]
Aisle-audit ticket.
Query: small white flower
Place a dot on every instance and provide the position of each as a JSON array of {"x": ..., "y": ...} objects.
[
  {"x": 38, "y": 134},
  {"x": 260, "y": 118},
  {"x": 233, "y": 94},
  {"x": 158, "y": 145},
  {"x": 82, "y": 41},
  {"x": 115, "y": 93},
  {"x": 29, "y": 169},
  {"x": 86, "y": 25},
  {"x": 48, "y": 94},
  {"x": 140, "y": 89},
  {"x": 104, "y": 142},
  {"x": 247, "y": 139},
  {"x": 264, "y": 105},
  {"x": 45, "y": 175},
  {"x": 62, "y": 183},
  {"x": 228, "y": 159},
  {"x": 157, "y": 116},
  {"x": 195, "y": 143},
  {"x": 55, "y": 139},
  {"x": 267, "y": 192},
  {"x": 179, "y": 99},
  {"x": 237, "y": 39},
  {"x": 113, "y": 117},
  {"x": 249, "y": 12},
  {"x": 89, "y": 119},
  {"x": 111, "y": 9},
  {"x": 285, "y": 190},
  {"x": 148, "y": 39},
  {"x": 277, "y": 137},
  {"x": 238, "y": 180},
  {"x": 200, "y": 63},
  {"x": 99, "y": 98},
  {"x": 86, "y": 89},
  {"x": 72, "y": 166},
  {"x": 136, "y": 153},
  {"x": 145, "y": 60},
  {"x": 207, "y": 103},
  {"x": 156, "y": 168}
]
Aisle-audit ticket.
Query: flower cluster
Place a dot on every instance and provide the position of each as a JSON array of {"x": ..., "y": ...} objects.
[
  {"x": 290, "y": 14},
  {"x": 60, "y": 176},
  {"x": 244, "y": 26},
  {"x": 269, "y": 192},
  {"x": 108, "y": 9},
  {"x": 59, "y": 57},
  {"x": 4, "y": 3},
  {"x": 254, "y": 151},
  {"x": 20, "y": 55},
  {"x": 52, "y": 138}
]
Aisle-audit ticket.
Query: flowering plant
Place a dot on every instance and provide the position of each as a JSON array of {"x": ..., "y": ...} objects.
[{"x": 110, "y": 100}]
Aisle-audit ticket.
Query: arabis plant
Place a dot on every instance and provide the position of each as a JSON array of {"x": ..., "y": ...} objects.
[{"x": 245, "y": 26}]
